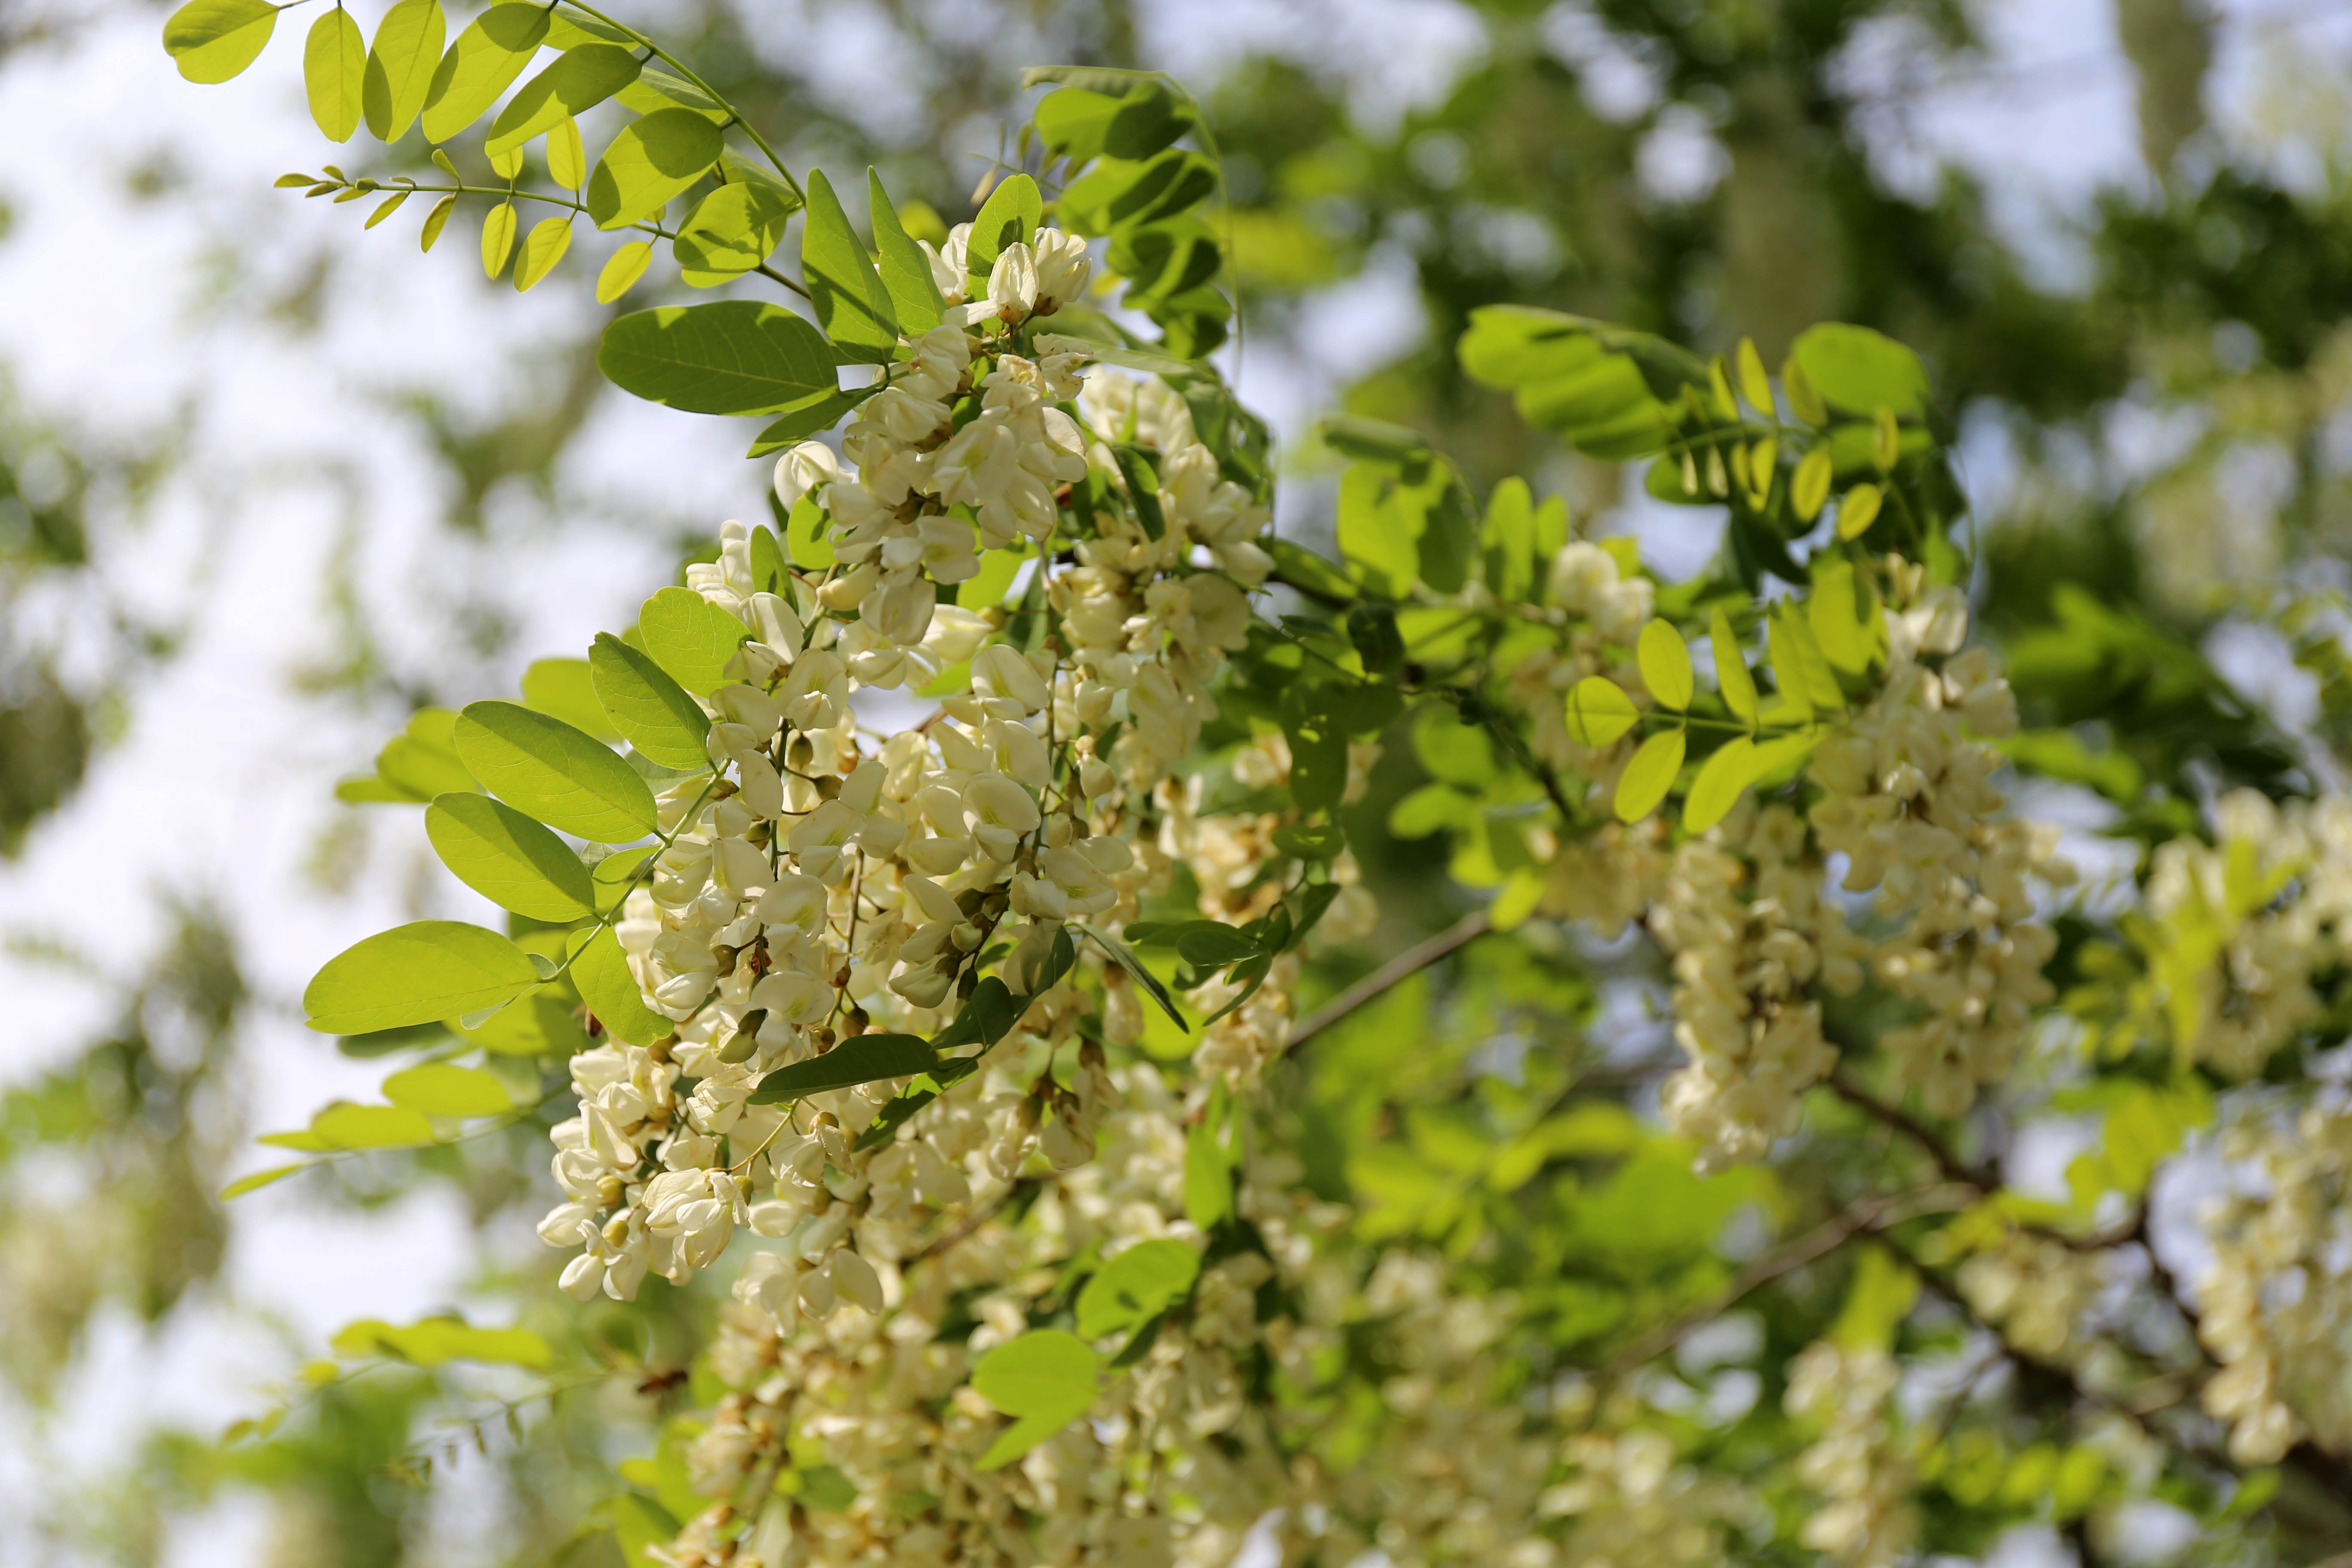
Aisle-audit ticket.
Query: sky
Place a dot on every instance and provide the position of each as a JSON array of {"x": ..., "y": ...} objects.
[{"x": 142, "y": 325}]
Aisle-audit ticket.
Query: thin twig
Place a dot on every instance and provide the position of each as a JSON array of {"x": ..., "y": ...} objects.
[
  {"x": 1412, "y": 960},
  {"x": 1871, "y": 1215},
  {"x": 1951, "y": 1166}
]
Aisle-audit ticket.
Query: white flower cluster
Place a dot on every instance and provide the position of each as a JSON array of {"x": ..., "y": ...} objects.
[
  {"x": 2273, "y": 1303},
  {"x": 815, "y": 886},
  {"x": 1633, "y": 1503},
  {"x": 1166, "y": 1471},
  {"x": 2247, "y": 920},
  {"x": 2034, "y": 1288},
  {"x": 1742, "y": 913},
  {"x": 1855, "y": 1464}
]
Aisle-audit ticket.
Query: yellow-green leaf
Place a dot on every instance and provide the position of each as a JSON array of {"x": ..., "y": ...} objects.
[
  {"x": 601, "y": 971},
  {"x": 213, "y": 40},
  {"x": 690, "y": 637},
  {"x": 652, "y": 159},
  {"x": 334, "y": 59},
  {"x": 1666, "y": 664},
  {"x": 1809, "y": 491},
  {"x": 508, "y": 858},
  {"x": 1046, "y": 1378},
  {"x": 1599, "y": 711},
  {"x": 1788, "y": 673},
  {"x": 436, "y": 221},
  {"x": 1762, "y": 459},
  {"x": 1804, "y": 401},
  {"x": 508, "y": 166},
  {"x": 418, "y": 973},
  {"x": 622, "y": 271},
  {"x": 551, "y": 772},
  {"x": 1857, "y": 511},
  {"x": 444, "y": 1088},
  {"x": 732, "y": 230},
  {"x": 1719, "y": 385},
  {"x": 482, "y": 64},
  {"x": 400, "y": 67},
  {"x": 567, "y": 156},
  {"x": 1843, "y": 615},
  {"x": 260, "y": 1179},
  {"x": 1738, "y": 688},
  {"x": 1649, "y": 774},
  {"x": 562, "y": 689},
  {"x": 1754, "y": 385},
  {"x": 390, "y": 205},
  {"x": 498, "y": 238},
  {"x": 348, "y": 1126},
  {"x": 1719, "y": 783},
  {"x": 550, "y": 237},
  {"x": 575, "y": 83},
  {"x": 852, "y": 308},
  {"x": 1886, "y": 440}
]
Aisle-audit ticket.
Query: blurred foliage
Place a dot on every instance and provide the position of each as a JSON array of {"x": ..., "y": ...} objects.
[{"x": 1481, "y": 1113}]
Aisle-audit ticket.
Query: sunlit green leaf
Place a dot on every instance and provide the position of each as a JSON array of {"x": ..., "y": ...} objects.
[
  {"x": 1046, "y": 1378},
  {"x": 601, "y": 971},
  {"x": 400, "y": 67},
  {"x": 861, "y": 1058},
  {"x": 575, "y": 83},
  {"x": 733, "y": 357},
  {"x": 1599, "y": 711},
  {"x": 906, "y": 271},
  {"x": 652, "y": 159},
  {"x": 549, "y": 771},
  {"x": 1649, "y": 774},
  {"x": 690, "y": 637},
  {"x": 334, "y": 62},
  {"x": 417, "y": 973},
  {"x": 444, "y": 1088},
  {"x": 1665, "y": 664},
  {"x": 482, "y": 64},
  {"x": 1719, "y": 783},
  {"x": 213, "y": 40},
  {"x": 508, "y": 858},
  {"x": 651, "y": 711},
  {"x": 622, "y": 271},
  {"x": 1139, "y": 1284},
  {"x": 852, "y": 306}
]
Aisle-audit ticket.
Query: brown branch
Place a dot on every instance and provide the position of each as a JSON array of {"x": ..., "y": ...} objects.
[
  {"x": 1869, "y": 1215},
  {"x": 972, "y": 1222},
  {"x": 1951, "y": 1166},
  {"x": 1412, "y": 960}
]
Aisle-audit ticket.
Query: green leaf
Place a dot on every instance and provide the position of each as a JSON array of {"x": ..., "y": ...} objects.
[
  {"x": 656, "y": 91},
  {"x": 1380, "y": 530},
  {"x": 621, "y": 273},
  {"x": 1860, "y": 371},
  {"x": 986, "y": 1016},
  {"x": 422, "y": 760},
  {"x": 860, "y": 1058},
  {"x": 1046, "y": 1378},
  {"x": 652, "y": 159},
  {"x": 1809, "y": 489},
  {"x": 213, "y": 40},
  {"x": 1754, "y": 385},
  {"x": 400, "y": 67},
  {"x": 1666, "y": 664},
  {"x": 550, "y": 238},
  {"x": 1606, "y": 390},
  {"x": 1139, "y": 1284},
  {"x": 564, "y": 689},
  {"x": 567, "y": 155},
  {"x": 1880, "y": 1298},
  {"x": 1211, "y": 944},
  {"x": 1787, "y": 671},
  {"x": 552, "y": 772},
  {"x": 442, "y": 1089},
  {"x": 1649, "y": 774},
  {"x": 1731, "y": 676},
  {"x": 334, "y": 62},
  {"x": 1121, "y": 194},
  {"x": 417, "y": 973},
  {"x": 1008, "y": 217},
  {"x": 538, "y": 1025},
  {"x": 260, "y": 1179},
  {"x": 575, "y": 83},
  {"x": 435, "y": 1341},
  {"x": 1721, "y": 779},
  {"x": 1599, "y": 711},
  {"x": 732, "y": 230},
  {"x": 733, "y": 357},
  {"x": 906, "y": 271},
  {"x": 691, "y": 638},
  {"x": 482, "y": 64},
  {"x": 1843, "y": 615},
  {"x": 813, "y": 415},
  {"x": 601, "y": 971},
  {"x": 1208, "y": 1168},
  {"x": 508, "y": 858},
  {"x": 1858, "y": 510},
  {"x": 852, "y": 305},
  {"x": 436, "y": 221},
  {"x": 1124, "y": 956},
  {"x": 651, "y": 711},
  {"x": 347, "y": 1126},
  {"x": 498, "y": 238}
]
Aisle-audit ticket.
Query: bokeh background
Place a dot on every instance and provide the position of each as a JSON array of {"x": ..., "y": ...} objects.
[{"x": 268, "y": 483}]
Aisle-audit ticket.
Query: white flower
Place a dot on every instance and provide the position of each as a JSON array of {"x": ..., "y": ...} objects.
[{"x": 803, "y": 468}]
